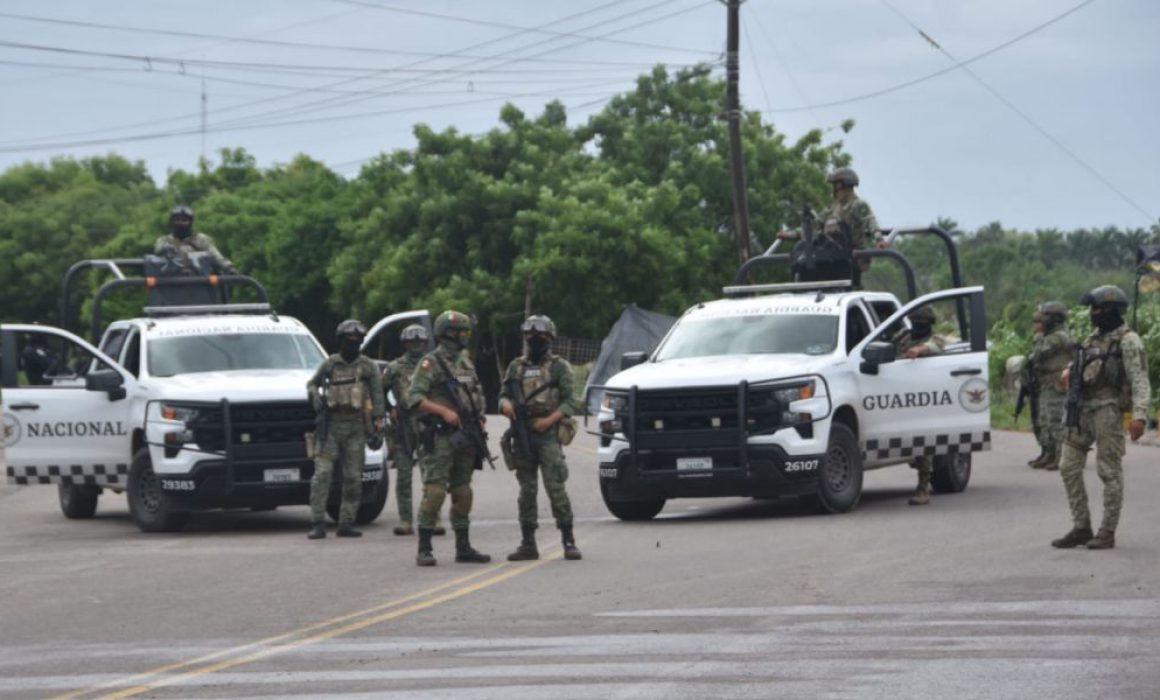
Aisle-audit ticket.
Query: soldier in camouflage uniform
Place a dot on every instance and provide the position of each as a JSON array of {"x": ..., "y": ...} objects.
[
  {"x": 547, "y": 389},
  {"x": 847, "y": 225},
  {"x": 446, "y": 461},
  {"x": 182, "y": 240},
  {"x": 343, "y": 386},
  {"x": 917, "y": 341},
  {"x": 1115, "y": 379},
  {"x": 397, "y": 380},
  {"x": 1050, "y": 355}
]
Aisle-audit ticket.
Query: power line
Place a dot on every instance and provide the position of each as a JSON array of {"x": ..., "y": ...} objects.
[
  {"x": 756, "y": 64},
  {"x": 274, "y": 42},
  {"x": 1023, "y": 115},
  {"x": 503, "y": 25},
  {"x": 935, "y": 74}
]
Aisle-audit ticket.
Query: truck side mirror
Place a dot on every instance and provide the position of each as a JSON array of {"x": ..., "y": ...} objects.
[
  {"x": 109, "y": 381},
  {"x": 874, "y": 354},
  {"x": 632, "y": 359}
]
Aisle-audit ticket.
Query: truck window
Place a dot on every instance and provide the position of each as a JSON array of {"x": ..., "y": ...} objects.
[
  {"x": 170, "y": 356},
  {"x": 132, "y": 358},
  {"x": 751, "y": 334},
  {"x": 50, "y": 360},
  {"x": 857, "y": 326},
  {"x": 113, "y": 342}
]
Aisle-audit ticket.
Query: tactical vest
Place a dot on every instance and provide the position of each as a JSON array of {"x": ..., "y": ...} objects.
[
  {"x": 402, "y": 369},
  {"x": 469, "y": 391},
  {"x": 1049, "y": 367},
  {"x": 349, "y": 389},
  {"x": 540, "y": 390},
  {"x": 1104, "y": 376}
]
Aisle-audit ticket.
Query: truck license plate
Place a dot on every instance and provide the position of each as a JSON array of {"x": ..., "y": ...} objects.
[
  {"x": 694, "y": 464},
  {"x": 279, "y": 475}
]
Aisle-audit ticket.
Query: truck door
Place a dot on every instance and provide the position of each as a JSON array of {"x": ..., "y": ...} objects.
[
  {"x": 65, "y": 409},
  {"x": 933, "y": 405},
  {"x": 382, "y": 342}
]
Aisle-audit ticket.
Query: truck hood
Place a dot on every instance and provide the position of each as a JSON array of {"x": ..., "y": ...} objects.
[
  {"x": 238, "y": 386},
  {"x": 719, "y": 370}
]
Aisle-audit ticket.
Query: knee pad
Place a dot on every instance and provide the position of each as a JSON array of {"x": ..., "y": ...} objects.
[
  {"x": 461, "y": 499},
  {"x": 433, "y": 495}
]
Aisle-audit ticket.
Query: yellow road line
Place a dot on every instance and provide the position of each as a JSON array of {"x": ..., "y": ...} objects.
[
  {"x": 330, "y": 634},
  {"x": 143, "y": 676}
]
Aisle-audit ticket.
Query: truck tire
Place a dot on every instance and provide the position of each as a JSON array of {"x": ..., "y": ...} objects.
[
  {"x": 951, "y": 473},
  {"x": 145, "y": 502},
  {"x": 632, "y": 510},
  {"x": 840, "y": 474},
  {"x": 368, "y": 510},
  {"x": 78, "y": 501}
]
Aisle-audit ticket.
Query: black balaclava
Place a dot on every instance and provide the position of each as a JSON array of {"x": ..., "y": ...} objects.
[
  {"x": 415, "y": 348},
  {"x": 349, "y": 346},
  {"x": 919, "y": 330},
  {"x": 1107, "y": 318},
  {"x": 538, "y": 347},
  {"x": 181, "y": 228}
]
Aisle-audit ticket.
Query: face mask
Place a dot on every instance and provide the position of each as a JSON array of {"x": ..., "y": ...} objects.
[
  {"x": 1106, "y": 319},
  {"x": 349, "y": 349},
  {"x": 415, "y": 350},
  {"x": 181, "y": 229},
  {"x": 537, "y": 347}
]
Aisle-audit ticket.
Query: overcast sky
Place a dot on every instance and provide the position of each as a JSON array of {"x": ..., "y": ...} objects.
[{"x": 1057, "y": 129}]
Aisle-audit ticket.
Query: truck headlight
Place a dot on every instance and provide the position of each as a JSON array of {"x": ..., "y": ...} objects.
[
  {"x": 184, "y": 414},
  {"x": 614, "y": 402}
]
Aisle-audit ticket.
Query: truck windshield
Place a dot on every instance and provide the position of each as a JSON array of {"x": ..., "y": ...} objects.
[
  {"x": 812, "y": 334},
  {"x": 232, "y": 351}
]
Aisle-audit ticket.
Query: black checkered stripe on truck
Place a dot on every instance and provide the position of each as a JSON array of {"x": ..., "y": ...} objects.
[
  {"x": 93, "y": 474},
  {"x": 927, "y": 445}
]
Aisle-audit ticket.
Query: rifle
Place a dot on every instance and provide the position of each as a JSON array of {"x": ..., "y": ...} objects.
[
  {"x": 1075, "y": 389},
  {"x": 1029, "y": 389},
  {"x": 470, "y": 432},
  {"x": 522, "y": 422},
  {"x": 808, "y": 237},
  {"x": 315, "y": 441}
]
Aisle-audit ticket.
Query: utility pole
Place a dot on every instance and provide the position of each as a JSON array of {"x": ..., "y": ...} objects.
[{"x": 733, "y": 111}]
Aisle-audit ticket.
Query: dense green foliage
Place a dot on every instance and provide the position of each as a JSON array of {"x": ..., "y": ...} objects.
[{"x": 632, "y": 206}]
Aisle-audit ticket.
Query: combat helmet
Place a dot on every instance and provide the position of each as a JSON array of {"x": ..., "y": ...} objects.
[
  {"x": 452, "y": 325},
  {"x": 923, "y": 314},
  {"x": 351, "y": 327},
  {"x": 181, "y": 210},
  {"x": 843, "y": 176},
  {"x": 1107, "y": 295},
  {"x": 1052, "y": 311},
  {"x": 539, "y": 324}
]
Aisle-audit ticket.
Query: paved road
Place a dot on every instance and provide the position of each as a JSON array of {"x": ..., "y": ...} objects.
[{"x": 723, "y": 598}]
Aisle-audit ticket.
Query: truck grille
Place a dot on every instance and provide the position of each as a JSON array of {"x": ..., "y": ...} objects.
[
  {"x": 700, "y": 418},
  {"x": 259, "y": 430}
]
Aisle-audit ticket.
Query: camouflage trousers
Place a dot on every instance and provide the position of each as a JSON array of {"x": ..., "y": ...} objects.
[
  {"x": 1050, "y": 430},
  {"x": 345, "y": 444},
  {"x": 922, "y": 465},
  {"x": 1104, "y": 426},
  {"x": 445, "y": 470},
  {"x": 547, "y": 459},
  {"x": 404, "y": 463}
]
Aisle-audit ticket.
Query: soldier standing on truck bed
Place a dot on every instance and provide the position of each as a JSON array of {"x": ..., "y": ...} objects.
[
  {"x": 341, "y": 388},
  {"x": 183, "y": 240}
]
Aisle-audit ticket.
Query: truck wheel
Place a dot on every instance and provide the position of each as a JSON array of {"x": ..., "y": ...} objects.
[
  {"x": 840, "y": 474},
  {"x": 951, "y": 473},
  {"x": 368, "y": 510},
  {"x": 145, "y": 502},
  {"x": 78, "y": 501},
  {"x": 632, "y": 510}
]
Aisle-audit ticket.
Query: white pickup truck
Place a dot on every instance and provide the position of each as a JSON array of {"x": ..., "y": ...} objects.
[
  {"x": 180, "y": 411},
  {"x": 793, "y": 390}
]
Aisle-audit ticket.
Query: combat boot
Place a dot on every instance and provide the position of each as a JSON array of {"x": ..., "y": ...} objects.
[
  {"x": 347, "y": 531},
  {"x": 527, "y": 549},
  {"x": 317, "y": 532},
  {"x": 571, "y": 551},
  {"x": 439, "y": 530},
  {"x": 404, "y": 529},
  {"x": 1037, "y": 463},
  {"x": 1105, "y": 539},
  {"x": 1076, "y": 537},
  {"x": 464, "y": 552},
  {"x": 1051, "y": 464},
  {"x": 921, "y": 496},
  {"x": 425, "y": 557}
]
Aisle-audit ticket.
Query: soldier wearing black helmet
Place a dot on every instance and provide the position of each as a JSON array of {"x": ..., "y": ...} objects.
[
  {"x": 919, "y": 340},
  {"x": 183, "y": 240},
  {"x": 1114, "y": 372},
  {"x": 1050, "y": 355},
  {"x": 543, "y": 382},
  {"x": 847, "y": 225},
  {"x": 344, "y": 386}
]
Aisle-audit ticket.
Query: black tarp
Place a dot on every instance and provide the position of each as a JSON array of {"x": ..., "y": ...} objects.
[{"x": 636, "y": 329}]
